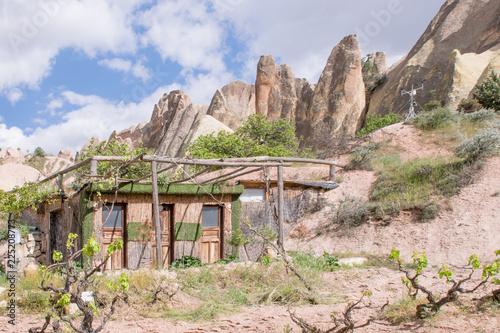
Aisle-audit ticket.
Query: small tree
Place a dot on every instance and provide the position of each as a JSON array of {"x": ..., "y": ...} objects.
[
  {"x": 112, "y": 148},
  {"x": 39, "y": 152},
  {"x": 488, "y": 92},
  {"x": 75, "y": 284},
  {"x": 256, "y": 137},
  {"x": 434, "y": 304}
]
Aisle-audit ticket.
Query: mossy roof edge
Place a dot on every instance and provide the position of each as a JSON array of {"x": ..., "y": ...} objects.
[{"x": 170, "y": 189}]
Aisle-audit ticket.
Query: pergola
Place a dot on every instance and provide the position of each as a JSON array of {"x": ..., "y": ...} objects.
[{"x": 160, "y": 164}]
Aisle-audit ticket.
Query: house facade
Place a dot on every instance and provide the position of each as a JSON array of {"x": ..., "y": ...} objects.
[{"x": 194, "y": 220}]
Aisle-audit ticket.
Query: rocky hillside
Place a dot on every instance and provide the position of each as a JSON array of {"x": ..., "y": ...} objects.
[{"x": 459, "y": 48}]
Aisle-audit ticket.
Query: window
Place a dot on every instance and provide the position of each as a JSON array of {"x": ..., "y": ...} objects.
[
  {"x": 253, "y": 195},
  {"x": 115, "y": 216},
  {"x": 210, "y": 216}
]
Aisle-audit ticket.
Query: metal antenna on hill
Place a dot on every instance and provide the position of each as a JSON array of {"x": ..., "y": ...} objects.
[{"x": 412, "y": 93}]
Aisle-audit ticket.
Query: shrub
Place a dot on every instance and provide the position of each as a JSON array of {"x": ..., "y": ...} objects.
[
  {"x": 468, "y": 105},
  {"x": 431, "y": 105},
  {"x": 483, "y": 144},
  {"x": 482, "y": 115},
  {"x": 435, "y": 119},
  {"x": 256, "y": 137},
  {"x": 186, "y": 262},
  {"x": 39, "y": 152},
  {"x": 350, "y": 212},
  {"x": 361, "y": 157},
  {"x": 488, "y": 92},
  {"x": 429, "y": 212},
  {"x": 373, "y": 123}
]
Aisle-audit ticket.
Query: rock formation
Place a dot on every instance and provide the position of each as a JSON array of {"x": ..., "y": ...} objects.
[
  {"x": 13, "y": 156},
  {"x": 494, "y": 65},
  {"x": 379, "y": 62},
  {"x": 233, "y": 103},
  {"x": 460, "y": 77},
  {"x": 339, "y": 97},
  {"x": 264, "y": 82},
  {"x": 179, "y": 117},
  {"x": 470, "y": 26},
  {"x": 206, "y": 125},
  {"x": 13, "y": 174}
]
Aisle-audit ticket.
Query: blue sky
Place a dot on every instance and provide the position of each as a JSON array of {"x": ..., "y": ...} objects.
[{"x": 74, "y": 69}]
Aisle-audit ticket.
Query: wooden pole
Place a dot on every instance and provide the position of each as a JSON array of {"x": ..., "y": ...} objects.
[
  {"x": 281, "y": 208},
  {"x": 156, "y": 216},
  {"x": 93, "y": 168},
  {"x": 60, "y": 182},
  {"x": 331, "y": 177}
]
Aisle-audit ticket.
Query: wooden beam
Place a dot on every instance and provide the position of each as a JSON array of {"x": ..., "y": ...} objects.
[
  {"x": 193, "y": 176},
  {"x": 283, "y": 159},
  {"x": 163, "y": 159},
  {"x": 224, "y": 175},
  {"x": 126, "y": 164},
  {"x": 159, "y": 171},
  {"x": 67, "y": 170},
  {"x": 281, "y": 209},
  {"x": 156, "y": 216},
  {"x": 239, "y": 174}
]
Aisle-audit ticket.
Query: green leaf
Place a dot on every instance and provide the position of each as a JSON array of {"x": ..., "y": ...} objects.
[
  {"x": 92, "y": 247},
  {"x": 57, "y": 256},
  {"x": 64, "y": 300}
]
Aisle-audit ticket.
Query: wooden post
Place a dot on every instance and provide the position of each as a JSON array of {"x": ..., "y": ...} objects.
[
  {"x": 93, "y": 168},
  {"x": 156, "y": 216},
  {"x": 332, "y": 173},
  {"x": 60, "y": 182},
  {"x": 281, "y": 208}
]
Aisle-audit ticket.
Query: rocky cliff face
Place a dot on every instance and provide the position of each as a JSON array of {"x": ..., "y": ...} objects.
[
  {"x": 232, "y": 104},
  {"x": 339, "y": 97},
  {"x": 471, "y": 27}
]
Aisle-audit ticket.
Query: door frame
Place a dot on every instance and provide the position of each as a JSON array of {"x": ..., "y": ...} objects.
[
  {"x": 221, "y": 228},
  {"x": 124, "y": 229}
]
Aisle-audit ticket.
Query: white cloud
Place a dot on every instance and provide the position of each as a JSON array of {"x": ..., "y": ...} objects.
[
  {"x": 40, "y": 121},
  {"x": 138, "y": 70},
  {"x": 141, "y": 72},
  {"x": 14, "y": 95},
  {"x": 116, "y": 64},
  {"x": 90, "y": 116},
  {"x": 35, "y": 32},
  {"x": 185, "y": 32}
]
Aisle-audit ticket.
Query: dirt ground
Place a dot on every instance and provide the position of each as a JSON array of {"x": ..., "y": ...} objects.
[
  {"x": 472, "y": 225},
  {"x": 347, "y": 285}
]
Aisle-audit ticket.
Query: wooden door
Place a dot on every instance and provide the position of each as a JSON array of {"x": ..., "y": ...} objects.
[
  {"x": 56, "y": 239},
  {"x": 211, "y": 242},
  {"x": 166, "y": 226},
  {"x": 113, "y": 227}
]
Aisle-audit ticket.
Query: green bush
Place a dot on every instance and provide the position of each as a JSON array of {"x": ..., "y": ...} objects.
[
  {"x": 483, "y": 144},
  {"x": 186, "y": 262},
  {"x": 469, "y": 106},
  {"x": 375, "y": 122},
  {"x": 39, "y": 152},
  {"x": 256, "y": 137},
  {"x": 361, "y": 157},
  {"x": 435, "y": 119},
  {"x": 429, "y": 212},
  {"x": 431, "y": 105},
  {"x": 350, "y": 212},
  {"x": 488, "y": 92}
]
